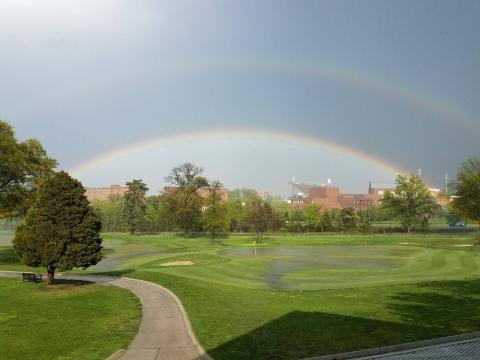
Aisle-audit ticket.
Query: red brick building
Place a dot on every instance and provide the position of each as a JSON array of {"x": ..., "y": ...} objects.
[
  {"x": 330, "y": 197},
  {"x": 105, "y": 193}
]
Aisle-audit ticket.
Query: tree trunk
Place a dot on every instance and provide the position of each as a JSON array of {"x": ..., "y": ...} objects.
[{"x": 50, "y": 274}]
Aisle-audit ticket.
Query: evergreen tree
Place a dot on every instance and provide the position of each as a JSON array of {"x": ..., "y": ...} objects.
[
  {"x": 134, "y": 205},
  {"x": 61, "y": 230}
]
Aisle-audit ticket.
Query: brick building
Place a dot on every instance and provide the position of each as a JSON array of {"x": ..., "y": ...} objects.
[
  {"x": 105, "y": 193},
  {"x": 330, "y": 197}
]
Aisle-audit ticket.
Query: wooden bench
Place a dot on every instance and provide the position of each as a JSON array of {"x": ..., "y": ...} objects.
[{"x": 31, "y": 277}]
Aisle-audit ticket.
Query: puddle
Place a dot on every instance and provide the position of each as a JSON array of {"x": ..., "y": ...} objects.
[{"x": 311, "y": 258}]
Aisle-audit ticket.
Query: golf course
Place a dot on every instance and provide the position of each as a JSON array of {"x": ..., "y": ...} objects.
[{"x": 289, "y": 297}]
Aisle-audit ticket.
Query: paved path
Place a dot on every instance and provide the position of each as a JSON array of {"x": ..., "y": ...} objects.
[{"x": 165, "y": 332}]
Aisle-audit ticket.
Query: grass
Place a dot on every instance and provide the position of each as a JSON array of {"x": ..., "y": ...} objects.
[
  {"x": 71, "y": 320},
  {"x": 307, "y": 295}
]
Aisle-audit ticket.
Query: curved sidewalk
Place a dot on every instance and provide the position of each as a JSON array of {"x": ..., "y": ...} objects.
[{"x": 165, "y": 332}]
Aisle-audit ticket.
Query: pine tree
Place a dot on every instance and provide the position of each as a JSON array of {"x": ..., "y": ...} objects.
[{"x": 60, "y": 230}]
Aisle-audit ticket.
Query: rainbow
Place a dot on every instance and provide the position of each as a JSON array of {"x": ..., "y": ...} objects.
[
  {"x": 401, "y": 92},
  {"x": 412, "y": 97},
  {"x": 237, "y": 134},
  {"x": 407, "y": 95}
]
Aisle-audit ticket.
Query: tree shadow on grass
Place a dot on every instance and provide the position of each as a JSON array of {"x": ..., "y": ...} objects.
[
  {"x": 448, "y": 306},
  {"x": 300, "y": 334},
  {"x": 116, "y": 273},
  {"x": 437, "y": 309},
  {"x": 66, "y": 285}
]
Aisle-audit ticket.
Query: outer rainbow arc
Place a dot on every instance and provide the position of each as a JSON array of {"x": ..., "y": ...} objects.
[
  {"x": 407, "y": 95},
  {"x": 359, "y": 79},
  {"x": 239, "y": 133}
]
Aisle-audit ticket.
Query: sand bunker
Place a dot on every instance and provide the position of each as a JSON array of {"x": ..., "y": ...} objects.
[
  {"x": 408, "y": 243},
  {"x": 178, "y": 263},
  {"x": 463, "y": 245}
]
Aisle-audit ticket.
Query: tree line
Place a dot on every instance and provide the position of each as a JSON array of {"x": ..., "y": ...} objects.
[
  {"x": 410, "y": 203},
  {"x": 184, "y": 209},
  {"x": 60, "y": 230}
]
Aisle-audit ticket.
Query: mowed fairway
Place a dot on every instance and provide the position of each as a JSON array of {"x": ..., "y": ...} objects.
[{"x": 300, "y": 296}]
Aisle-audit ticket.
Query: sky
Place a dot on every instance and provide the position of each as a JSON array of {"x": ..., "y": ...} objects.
[{"x": 255, "y": 92}]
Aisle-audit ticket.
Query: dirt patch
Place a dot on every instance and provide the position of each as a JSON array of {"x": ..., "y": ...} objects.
[
  {"x": 62, "y": 285},
  {"x": 463, "y": 245},
  {"x": 178, "y": 263},
  {"x": 407, "y": 243}
]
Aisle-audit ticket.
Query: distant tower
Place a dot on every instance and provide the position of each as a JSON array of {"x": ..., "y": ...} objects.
[
  {"x": 446, "y": 184},
  {"x": 419, "y": 172},
  {"x": 329, "y": 181}
]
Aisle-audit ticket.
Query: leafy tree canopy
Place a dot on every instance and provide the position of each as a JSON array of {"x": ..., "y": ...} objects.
[
  {"x": 349, "y": 218},
  {"x": 467, "y": 190},
  {"x": 23, "y": 165},
  {"x": 411, "y": 201},
  {"x": 312, "y": 217},
  {"x": 215, "y": 216},
  {"x": 187, "y": 177},
  {"x": 187, "y": 203},
  {"x": 259, "y": 215},
  {"x": 134, "y": 205}
]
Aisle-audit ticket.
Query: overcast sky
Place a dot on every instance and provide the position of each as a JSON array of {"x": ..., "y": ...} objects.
[{"x": 398, "y": 80}]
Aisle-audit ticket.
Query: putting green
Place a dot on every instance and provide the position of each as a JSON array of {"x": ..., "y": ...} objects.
[
  {"x": 290, "y": 263},
  {"x": 313, "y": 267}
]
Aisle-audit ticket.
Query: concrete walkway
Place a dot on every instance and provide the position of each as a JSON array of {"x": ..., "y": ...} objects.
[{"x": 165, "y": 332}]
